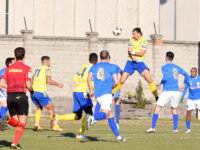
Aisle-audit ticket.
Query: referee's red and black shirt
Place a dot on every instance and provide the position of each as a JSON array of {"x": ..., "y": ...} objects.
[{"x": 16, "y": 76}]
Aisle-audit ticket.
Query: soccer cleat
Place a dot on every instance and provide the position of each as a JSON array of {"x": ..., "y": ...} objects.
[
  {"x": 38, "y": 128},
  {"x": 13, "y": 146},
  {"x": 151, "y": 130},
  {"x": 117, "y": 124},
  {"x": 56, "y": 127},
  {"x": 175, "y": 131},
  {"x": 188, "y": 131},
  {"x": 4, "y": 123},
  {"x": 122, "y": 140},
  {"x": 81, "y": 137}
]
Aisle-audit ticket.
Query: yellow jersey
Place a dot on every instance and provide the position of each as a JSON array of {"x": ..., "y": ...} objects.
[
  {"x": 80, "y": 78},
  {"x": 39, "y": 79},
  {"x": 137, "y": 46}
]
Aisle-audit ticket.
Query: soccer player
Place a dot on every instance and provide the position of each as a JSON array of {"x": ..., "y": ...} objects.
[
  {"x": 137, "y": 49},
  {"x": 81, "y": 97},
  {"x": 193, "y": 84},
  {"x": 116, "y": 98},
  {"x": 170, "y": 91},
  {"x": 16, "y": 79},
  {"x": 3, "y": 95},
  {"x": 103, "y": 74},
  {"x": 42, "y": 77}
]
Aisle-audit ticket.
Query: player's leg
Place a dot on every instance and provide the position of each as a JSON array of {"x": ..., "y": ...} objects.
[
  {"x": 128, "y": 70},
  {"x": 3, "y": 102},
  {"x": 117, "y": 107},
  {"x": 88, "y": 111},
  {"x": 18, "y": 108},
  {"x": 190, "y": 106},
  {"x": 147, "y": 76},
  {"x": 4, "y": 109},
  {"x": 114, "y": 128},
  {"x": 38, "y": 114},
  {"x": 188, "y": 120},
  {"x": 174, "y": 98},
  {"x": 163, "y": 99}
]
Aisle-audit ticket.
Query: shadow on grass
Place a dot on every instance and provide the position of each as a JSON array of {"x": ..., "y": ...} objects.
[
  {"x": 33, "y": 129},
  {"x": 4, "y": 143},
  {"x": 72, "y": 135}
]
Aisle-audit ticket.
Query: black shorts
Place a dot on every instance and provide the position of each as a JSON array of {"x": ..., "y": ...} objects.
[{"x": 17, "y": 104}]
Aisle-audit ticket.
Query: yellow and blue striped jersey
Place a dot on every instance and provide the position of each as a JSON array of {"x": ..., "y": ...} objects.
[
  {"x": 80, "y": 78},
  {"x": 137, "y": 46},
  {"x": 39, "y": 79}
]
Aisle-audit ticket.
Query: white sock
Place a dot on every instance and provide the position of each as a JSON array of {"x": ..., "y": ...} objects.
[{"x": 119, "y": 137}]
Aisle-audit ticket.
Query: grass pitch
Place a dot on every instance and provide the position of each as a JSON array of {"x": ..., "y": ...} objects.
[{"x": 101, "y": 137}]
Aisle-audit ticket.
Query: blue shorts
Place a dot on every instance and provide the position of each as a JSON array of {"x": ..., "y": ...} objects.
[
  {"x": 40, "y": 98},
  {"x": 80, "y": 102},
  {"x": 117, "y": 94},
  {"x": 131, "y": 66}
]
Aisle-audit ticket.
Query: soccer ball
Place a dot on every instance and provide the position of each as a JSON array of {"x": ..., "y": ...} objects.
[{"x": 117, "y": 31}]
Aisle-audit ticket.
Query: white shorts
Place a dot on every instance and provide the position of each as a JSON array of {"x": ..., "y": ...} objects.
[
  {"x": 105, "y": 101},
  {"x": 193, "y": 104},
  {"x": 3, "y": 95},
  {"x": 169, "y": 96}
]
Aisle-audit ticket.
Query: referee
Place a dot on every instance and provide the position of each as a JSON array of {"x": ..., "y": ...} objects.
[{"x": 17, "y": 78}]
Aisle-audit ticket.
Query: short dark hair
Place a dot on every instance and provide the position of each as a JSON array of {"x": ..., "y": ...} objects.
[
  {"x": 93, "y": 58},
  {"x": 45, "y": 58},
  {"x": 9, "y": 61},
  {"x": 138, "y": 30},
  {"x": 19, "y": 53},
  {"x": 194, "y": 68},
  {"x": 104, "y": 54},
  {"x": 170, "y": 56}
]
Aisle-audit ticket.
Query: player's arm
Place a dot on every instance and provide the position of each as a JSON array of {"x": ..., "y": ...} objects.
[
  {"x": 140, "y": 54},
  {"x": 50, "y": 81},
  {"x": 116, "y": 81},
  {"x": 3, "y": 84},
  {"x": 29, "y": 87},
  {"x": 89, "y": 81},
  {"x": 184, "y": 93},
  {"x": 164, "y": 79}
]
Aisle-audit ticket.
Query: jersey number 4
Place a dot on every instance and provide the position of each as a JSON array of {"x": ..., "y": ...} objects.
[{"x": 100, "y": 74}]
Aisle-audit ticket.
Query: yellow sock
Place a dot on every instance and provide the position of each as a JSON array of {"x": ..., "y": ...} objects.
[
  {"x": 38, "y": 114},
  {"x": 71, "y": 116},
  {"x": 153, "y": 89},
  {"x": 117, "y": 88},
  {"x": 83, "y": 124}
]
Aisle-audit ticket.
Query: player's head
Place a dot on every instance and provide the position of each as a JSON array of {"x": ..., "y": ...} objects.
[
  {"x": 137, "y": 33},
  {"x": 104, "y": 55},
  {"x": 45, "y": 60},
  {"x": 93, "y": 58},
  {"x": 19, "y": 53},
  {"x": 193, "y": 72},
  {"x": 169, "y": 56},
  {"x": 9, "y": 61}
]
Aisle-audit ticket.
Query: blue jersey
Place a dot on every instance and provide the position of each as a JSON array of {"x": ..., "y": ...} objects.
[
  {"x": 2, "y": 72},
  {"x": 194, "y": 88},
  {"x": 117, "y": 70},
  {"x": 103, "y": 78},
  {"x": 170, "y": 76}
]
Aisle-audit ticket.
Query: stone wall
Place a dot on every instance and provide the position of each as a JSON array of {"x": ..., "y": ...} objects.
[{"x": 68, "y": 54}]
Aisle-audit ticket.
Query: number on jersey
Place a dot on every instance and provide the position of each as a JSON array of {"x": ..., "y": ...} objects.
[{"x": 100, "y": 74}]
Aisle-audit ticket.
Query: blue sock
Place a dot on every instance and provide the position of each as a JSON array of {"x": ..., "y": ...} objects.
[
  {"x": 117, "y": 113},
  {"x": 154, "y": 120},
  {"x": 113, "y": 126},
  {"x": 100, "y": 116},
  {"x": 3, "y": 112},
  {"x": 175, "y": 118},
  {"x": 97, "y": 108},
  {"x": 188, "y": 124}
]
